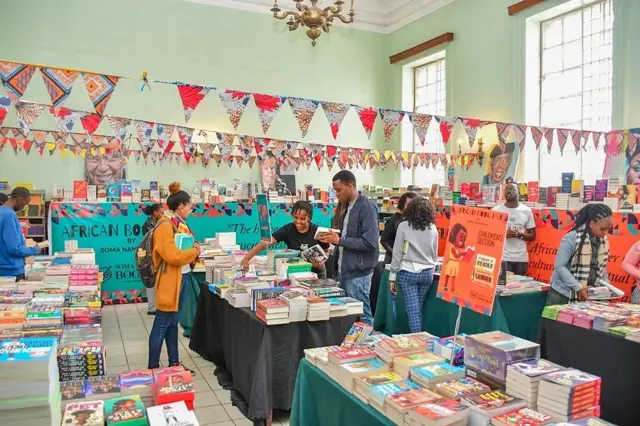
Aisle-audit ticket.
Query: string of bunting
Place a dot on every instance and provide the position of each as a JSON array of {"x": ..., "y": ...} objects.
[
  {"x": 163, "y": 146},
  {"x": 59, "y": 82}
]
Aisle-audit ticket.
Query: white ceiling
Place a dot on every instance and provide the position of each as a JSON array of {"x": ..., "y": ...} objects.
[{"x": 383, "y": 16}]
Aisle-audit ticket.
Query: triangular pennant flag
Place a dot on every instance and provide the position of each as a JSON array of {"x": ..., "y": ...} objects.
[
  {"x": 119, "y": 126},
  {"x": 375, "y": 159},
  {"x": 228, "y": 160},
  {"x": 536, "y": 134},
  {"x": 415, "y": 160},
  {"x": 5, "y": 103},
  {"x": 18, "y": 139},
  {"x": 260, "y": 145},
  {"x": 613, "y": 143},
  {"x": 434, "y": 160},
  {"x": 97, "y": 140},
  {"x": 548, "y": 135},
  {"x": 331, "y": 156},
  {"x": 186, "y": 134},
  {"x": 225, "y": 144},
  {"x": 90, "y": 122},
  {"x": 303, "y": 110},
  {"x": 164, "y": 132},
  {"x": 343, "y": 159},
  {"x": 425, "y": 160},
  {"x": 360, "y": 157},
  {"x": 335, "y": 113},
  {"x": 51, "y": 147},
  {"x": 58, "y": 83},
  {"x": 405, "y": 159},
  {"x": 191, "y": 96},
  {"x": 585, "y": 138},
  {"x": 78, "y": 138},
  {"x": 15, "y": 78},
  {"x": 503, "y": 132},
  {"x": 521, "y": 134},
  {"x": 471, "y": 126},
  {"x": 28, "y": 113},
  {"x": 100, "y": 87},
  {"x": 154, "y": 157},
  {"x": 446, "y": 126},
  {"x": 235, "y": 103},
  {"x": 632, "y": 140},
  {"x": 239, "y": 160},
  {"x": 562, "y": 135},
  {"x": 251, "y": 161},
  {"x": 420, "y": 124},
  {"x": 39, "y": 138},
  {"x": 65, "y": 118},
  {"x": 60, "y": 138},
  {"x": 596, "y": 139},
  {"x": 217, "y": 158},
  {"x": 368, "y": 116},
  {"x": 246, "y": 146},
  {"x": 144, "y": 130},
  {"x": 390, "y": 118},
  {"x": 575, "y": 139},
  {"x": 268, "y": 106},
  {"x": 444, "y": 159}
]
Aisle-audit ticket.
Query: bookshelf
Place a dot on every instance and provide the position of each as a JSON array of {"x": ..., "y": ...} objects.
[{"x": 33, "y": 219}]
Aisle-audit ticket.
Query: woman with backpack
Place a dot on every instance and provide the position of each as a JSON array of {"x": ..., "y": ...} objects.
[
  {"x": 155, "y": 212},
  {"x": 172, "y": 267}
]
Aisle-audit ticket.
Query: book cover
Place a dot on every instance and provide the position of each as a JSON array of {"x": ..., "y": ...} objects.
[
  {"x": 626, "y": 197},
  {"x": 441, "y": 409},
  {"x": 474, "y": 188},
  {"x": 414, "y": 397},
  {"x": 363, "y": 366},
  {"x": 542, "y": 193},
  {"x": 92, "y": 193},
  {"x": 534, "y": 193},
  {"x": 523, "y": 417},
  {"x": 125, "y": 410},
  {"x": 103, "y": 385},
  {"x": 613, "y": 185},
  {"x": 174, "y": 383},
  {"x": 551, "y": 195},
  {"x": 26, "y": 349},
  {"x": 382, "y": 391},
  {"x": 356, "y": 334},
  {"x": 490, "y": 400},
  {"x": 437, "y": 370},
  {"x": 589, "y": 193},
  {"x": 80, "y": 190},
  {"x": 534, "y": 367},
  {"x": 462, "y": 387},
  {"x": 577, "y": 187},
  {"x": 89, "y": 413},
  {"x": 601, "y": 189},
  {"x": 567, "y": 179},
  {"x": 153, "y": 185},
  {"x": 465, "y": 189},
  {"x": 175, "y": 413},
  {"x": 101, "y": 192},
  {"x": 381, "y": 378},
  {"x": 523, "y": 192},
  {"x": 573, "y": 379},
  {"x": 346, "y": 355},
  {"x": 73, "y": 389},
  {"x": 145, "y": 195},
  {"x": 314, "y": 254},
  {"x": 113, "y": 190},
  {"x": 135, "y": 379},
  {"x": 184, "y": 241}
]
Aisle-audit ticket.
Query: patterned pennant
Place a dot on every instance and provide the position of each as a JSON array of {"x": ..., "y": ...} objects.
[
  {"x": 60, "y": 138},
  {"x": 28, "y": 113},
  {"x": 503, "y": 132},
  {"x": 446, "y": 127},
  {"x": 521, "y": 134},
  {"x": 15, "y": 78},
  {"x": 445, "y": 159},
  {"x": 5, "y": 103},
  {"x": 246, "y": 146},
  {"x": 368, "y": 116},
  {"x": 332, "y": 154},
  {"x": 225, "y": 144},
  {"x": 390, "y": 118},
  {"x": 100, "y": 88},
  {"x": 434, "y": 160},
  {"x": 303, "y": 110},
  {"x": 471, "y": 126},
  {"x": 343, "y": 159},
  {"x": 228, "y": 160},
  {"x": 536, "y": 134},
  {"x": 548, "y": 135},
  {"x": 90, "y": 122},
  {"x": 191, "y": 97},
  {"x": 562, "y": 135},
  {"x": 319, "y": 159},
  {"x": 164, "y": 132},
  {"x": 375, "y": 159},
  {"x": 268, "y": 106},
  {"x": 614, "y": 140},
  {"x": 207, "y": 153},
  {"x": 97, "y": 140},
  {"x": 596, "y": 138},
  {"x": 420, "y": 124},
  {"x": 360, "y": 157},
  {"x": 260, "y": 145},
  {"x": 575, "y": 139},
  {"x": 78, "y": 138},
  {"x": 65, "y": 118},
  {"x": 251, "y": 161},
  {"x": 415, "y": 160},
  {"x": 235, "y": 103},
  {"x": 585, "y": 138},
  {"x": 335, "y": 113},
  {"x": 58, "y": 83},
  {"x": 425, "y": 160},
  {"x": 405, "y": 159},
  {"x": 18, "y": 140},
  {"x": 39, "y": 138},
  {"x": 119, "y": 127},
  {"x": 188, "y": 147},
  {"x": 144, "y": 130}
]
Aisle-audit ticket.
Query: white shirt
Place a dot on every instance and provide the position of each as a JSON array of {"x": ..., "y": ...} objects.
[{"x": 520, "y": 219}]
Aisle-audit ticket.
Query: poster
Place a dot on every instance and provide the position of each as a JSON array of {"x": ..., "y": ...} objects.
[
  {"x": 626, "y": 164},
  {"x": 114, "y": 230},
  {"x": 502, "y": 163},
  {"x": 472, "y": 258},
  {"x": 263, "y": 218},
  {"x": 102, "y": 168}
]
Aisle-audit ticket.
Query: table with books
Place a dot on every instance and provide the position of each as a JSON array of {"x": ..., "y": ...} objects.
[{"x": 517, "y": 314}]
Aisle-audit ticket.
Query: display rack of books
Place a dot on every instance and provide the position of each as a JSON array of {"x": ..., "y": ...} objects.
[{"x": 33, "y": 218}]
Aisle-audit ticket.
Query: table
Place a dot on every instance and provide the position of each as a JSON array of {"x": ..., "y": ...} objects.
[
  {"x": 258, "y": 361},
  {"x": 517, "y": 314},
  {"x": 190, "y": 303},
  {"x": 318, "y": 401},
  {"x": 611, "y": 357}
]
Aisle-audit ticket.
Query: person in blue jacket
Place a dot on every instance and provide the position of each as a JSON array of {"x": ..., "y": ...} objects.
[{"x": 13, "y": 250}]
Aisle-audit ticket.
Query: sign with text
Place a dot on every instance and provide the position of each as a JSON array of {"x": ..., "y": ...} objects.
[
  {"x": 264, "y": 220},
  {"x": 472, "y": 257}
]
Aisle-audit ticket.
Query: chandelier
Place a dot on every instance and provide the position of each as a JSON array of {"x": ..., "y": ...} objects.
[{"x": 313, "y": 17}]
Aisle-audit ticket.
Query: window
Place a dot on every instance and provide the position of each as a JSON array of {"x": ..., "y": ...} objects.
[
  {"x": 430, "y": 97},
  {"x": 576, "y": 88}
]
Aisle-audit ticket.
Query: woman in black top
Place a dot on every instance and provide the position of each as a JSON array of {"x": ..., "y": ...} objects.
[
  {"x": 155, "y": 212},
  {"x": 391, "y": 226},
  {"x": 298, "y": 235}
]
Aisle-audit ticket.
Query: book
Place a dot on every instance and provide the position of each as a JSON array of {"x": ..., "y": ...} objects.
[
  {"x": 403, "y": 364},
  {"x": 101, "y": 193},
  {"x": 443, "y": 412},
  {"x": 92, "y": 193},
  {"x": 567, "y": 179},
  {"x": 113, "y": 191},
  {"x": 314, "y": 254},
  {"x": 89, "y": 413},
  {"x": 173, "y": 414},
  {"x": 351, "y": 355},
  {"x": 73, "y": 390},
  {"x": 577, "y": 188},
  {"x": 589, "y": 193},
  {"x": 600, "y": 190},
  {"x": 398, "y": 404},
  {"x": 103, "y": 387},
  {"x": 522, "y": 417},
  {"x": 379, "y": 393},
  {"x": 184, "y": 241},
  {"x": 534, "y": 193},
  {"x": 322, "y": 231},
  {"x": 430, "y": 375},
  {"x": 461, "y": 388},
  {"x": 79, "y": 190},
  {"x": 126, "y": 410},
  {"x": 492, "y": 401},
  {"x": 173, "y": 387},
  {"x": 145, "y": 195},
  {"x": 125, "y": 191},
  {"x": 356, "y": 334}
]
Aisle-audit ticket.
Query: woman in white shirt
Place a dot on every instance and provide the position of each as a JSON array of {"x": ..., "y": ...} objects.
[{"x": 415, "y": 253}]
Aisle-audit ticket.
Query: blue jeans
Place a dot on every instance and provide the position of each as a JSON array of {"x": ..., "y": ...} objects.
[
  {"x": 165, "y": 328},
  {"x": 414, "y": 287},
  {"x": 360, "y": 288}
]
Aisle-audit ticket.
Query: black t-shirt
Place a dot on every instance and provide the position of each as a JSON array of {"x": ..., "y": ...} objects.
[{"x": 295, "y": 240}]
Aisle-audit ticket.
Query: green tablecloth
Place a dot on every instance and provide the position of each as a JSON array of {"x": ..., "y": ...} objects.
[
  {"x": 319, "y": 401},
  {"x": 517, "y": 315},
  {"x": 190, "y": 303}
]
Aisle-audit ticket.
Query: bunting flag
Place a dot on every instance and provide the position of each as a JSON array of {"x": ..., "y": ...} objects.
[
  {"x": 434, "y": 160},
  {"x": 246, "y": 146},
  {"x": 97, "y": 140},
  {"x": 425, "y": 160},
  {"x": 186, "y": 134},
  {"x": 27, "y": 113},
  {"x": 613, "y": 143},
  {"x": 368, "y": 116},
  {"x": 575, "y": 136},
  {"x": 60, "y": 138},
  {"x": 191, "y": 96},
  {"x": 503, "y": 132},
  {"x": 471, "y": 126},
  {"x": 15, "y": 78},
  {"x": 521, "y": 135},
  {"x": 536, "y": 134},
  {"x": 144, "y": 130},
  {"x": 343, "y": 159},
  {"x": 268, "y": 106},
  {"x": 332, "y": 154},
  {"x": 335, "y": 113},
  {"x": 446, "y": 127},
  {"x": 303, "y": 110},
  {"x": 59, "y": 83},
  {"x": 420, "y": 124},
  {"x": 596, "y": 139},
  {"x": 225, "y": 144},
  {"x": 234, "y": 102},
  {"x": 78, "y": 138},
  {"x": 361, "y": 160},
  {"x": 100, "y": 88},
  {"x": 90, "y": 122},
  {"x": 562, "y": 135},
  {"x": 18, "y": 140},
  {"x": 65, "y": 118},
  {"x": 633, "y": 142},
  {"x": 207, "y": 153},
  {"x": 585, "y": 138},
  {"x": 548, "y": 135},
  {"x": 251, "y": 161},
  {"x": 164, "y": 132},
  {"x": 390, "y": 119},
  {"x": 261, "y": 145},
  {"x": 39, "y": 139},
  {"x": 119, "y": 127},
  {"x": 374, "y": 159},
  {"x": 5, "y": 103}
]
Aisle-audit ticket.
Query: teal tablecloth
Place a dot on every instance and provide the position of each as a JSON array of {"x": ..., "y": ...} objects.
[
  {"x": 518, "y": 315},
  {"x": 319, "y": 401},
  {"x": 190, "y": 303}
]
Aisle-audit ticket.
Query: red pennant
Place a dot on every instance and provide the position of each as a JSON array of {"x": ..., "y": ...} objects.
[
  {"x": 562, "y": 135},
  {"x": 536, "y": 134},
  {"x": 191, "y": 97},
  {"x": 596, "y": 138},
  {"x": 90, "y": 122},
  {"x": 575, "y": 139},
  {"x": 548, "y": 135},
  {"x": 368, "y": 118},
  {"x": 471, "y": 126},
  {"x": 585, "y": 138}
]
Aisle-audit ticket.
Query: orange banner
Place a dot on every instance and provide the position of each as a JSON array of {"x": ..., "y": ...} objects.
[{"x": 472, "y": 258}]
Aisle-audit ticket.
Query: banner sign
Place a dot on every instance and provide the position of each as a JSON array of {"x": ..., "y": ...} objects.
[
  {"x": 264, "y": 220},
  {"x": 472, "y": 258},
  {"x": 114, "y": 230}
]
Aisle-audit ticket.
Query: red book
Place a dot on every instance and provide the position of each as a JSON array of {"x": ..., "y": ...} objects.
[
  {"x": 449, "y": 409},
  {"x": 80, "y": 189},
  {"x": 174, "y": 386},
  {"x": 272, "y": 305},
  {"x": 534, "y": 191},
  {"x": 474, "y": 189},
  {"x": 522, "y": 417},
  {"x": 465, "y": 189},
  {"x": 351, "y": 355}
]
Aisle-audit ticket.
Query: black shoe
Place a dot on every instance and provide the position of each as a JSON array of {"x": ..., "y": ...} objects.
[
  {"x": 151, "y": 312},
  {"x": 193, "y": 373}
]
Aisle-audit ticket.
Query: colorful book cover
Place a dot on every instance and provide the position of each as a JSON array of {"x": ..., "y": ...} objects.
[
  {"x": 125, "y": 410},
  {"x": 577, "y": 187},
  {"x": 613, "y": 185},
  {"x": 89, "y": 413},
  {"x": 589, "y": 193},
  {"x": 523, "y": 417},
  {"x": 573, "y": 379},
  {"x": 474, "y": 188},
  {"x": 103, "y": 385},
  {"x": 439, "y": 410},
  {"x": 381, "y": 378},
  {"x": 80, "y": 190},
  {"x": 101, "y": 192},
  {"x": 136, "y": 378},
  {"x": 176, "y": 382},
  {"x": 113, "y": 190},
  {"x": 534, "y": 193},
  {"x": 601, "y": 189},
  {"x": 437, "y": 370},
  {"x": 382, "y": 391},
  {"x": 356, "y": 353},
  {"x": 490, "y": 400},
  {"x": 626, "y": 196},
  {"x": 462, "y": 387},
  {"x": 567, "y": 179},
  {"x": 125, "y": 189},
  {"x": 363, "y": 366},
  {"x": 414, "y": 397},
  {"x": 551, "y": 195},
  {"x": 73, "y": 389},
  {"x": 358, "y": 332},
  {"x": 145, "y": 195},
  {"x": 465, "y": 189},
  {"x": 523, "y": 192},
  {"x": 534, "y": 367},
  {"x": 26, "y": 349},
  {"x": 92, "y": 193},
  {"x": 153, "y": 185}
]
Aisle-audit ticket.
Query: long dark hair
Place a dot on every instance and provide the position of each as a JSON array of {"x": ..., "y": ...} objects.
[
  {"x": 419, "y": 214},
  {"x": 586, "y": 215},
  {"x": 402, "y": 203}
]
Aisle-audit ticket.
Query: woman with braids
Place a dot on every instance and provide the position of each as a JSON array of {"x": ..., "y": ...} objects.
[
  {"x": 415, "y": 251},
  {"x": 582, "y": 256}
]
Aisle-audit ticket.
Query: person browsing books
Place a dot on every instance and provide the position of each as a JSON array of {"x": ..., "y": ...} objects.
[
  {"x": 155, "y": 212},
  {"x": 521, "y": 228},
  {"x": 173, "y": 268},
  {"x": 388, "y": 236},
  {"x": 582, "y": 256},
  {"x": 358, "y": 242},
  {"x": 415, "y": 252},
  {"x": 298, "y": 235},
  {"x": 631, "y": 265},
  {"x": 13, "y": 250}
]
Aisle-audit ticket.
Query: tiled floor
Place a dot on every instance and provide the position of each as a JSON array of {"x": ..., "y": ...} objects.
[{"x": 126, "y": 333}]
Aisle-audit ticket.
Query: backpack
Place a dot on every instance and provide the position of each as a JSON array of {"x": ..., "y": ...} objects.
[{"x": 144, "y": 259}]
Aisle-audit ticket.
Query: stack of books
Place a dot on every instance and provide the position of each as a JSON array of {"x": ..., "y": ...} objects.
[
  {"x": 317, "y": 283},
  {"x": 73, "y": 391},
  {"x": 102, "y": 387},
  {"x": 522, "y": 416},
  {"x": 83, "y": 257},
  {"x": 45, "y": 312},
  {"x": 12, "y": 315},
  {"x": 318, "y": 309},
  {"x": 337, "y": 307},
  {"x": 343, "y": 356},
  {"x": 347, "y": 373},
  {"x": 238, "y": 298},
  {"x": 403, "y": 364},
  {"x": 447, "y": 349},
  {"x": 429, "y": 376},
  {"x": 356, "y": 335},
  {"x": 462, "y": 388},
  {"x": 173, "y": 386},
  {"x": 443, "y": 412},
  {"x": 126, "y": 410},
  {"x": 320, "y": 356},
  {"x": 562, "y": 201},
  {"x": 88, "y": 413},
  {"x": 273, "y": 311},
  {"x": 354, "y": 306},
  {"x": 523, "y": 379},
  {"x": 569, "y": 394},
  {"x": 398, "y": 346},
  {"x": 364, "y": 384},
  {"x": 297, "y": 305},
  {"x": 330, "y": 292},
  {"x": 138, "y": 382},
  {"x": 399, "y": 404},
  {"x": 84, "y": 278},
  {"x": 265, "y": 293},
  {"x": 380, "y": 392},
  {"x": 174, "y": 413},
  {"x": 490, "y": 404},
  {"x": 80, "y": 360}
]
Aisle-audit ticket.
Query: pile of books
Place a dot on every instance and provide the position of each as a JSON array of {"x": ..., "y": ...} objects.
[
  {"x": 80, "y": 360},
  {"x": 318, "y": 309},
  {"x": 297, "y": 305},
  {"x": 337, "y": 307},
  {"x": 12, "y": 315},
  {"x": 485, "y": 406},
  {"x": 45, "y": 312},
  {"x": 125, "y": 410},
  {"x": 273, "y": 311},
  {"x": 378, "y": 393},
  {"x": 265, "y": 293},
  {"x": 397, "y": 346},
  {"x": 344, "y": 356},
  {"x": 350, "y": 371},
  {"x": 173, "y": 384},
  {"x": 356, "y": 335},
  {"x": 174, "y": 413},
  {"x": 354, "y": 306},
  {"x": 397, "y": 405},
  {"x": 440, "y": 412},
  {"x": 521, "y": 416},
  {"x": 329, "y": 292},
  {"x": 523, "y": 379},
  {"x": 451, "y": 348},
  {"x": 428, "y": 376},
  {"x": 403, "y": 364},
  {"x": 238, "y": 298},
  {"x": 364, "y": 384},
  {"x": 320, "y": 356},
  {"x": 89, "y": 413},
  {"x": 84, "y": 278},
  {"x": 140, "y": 383},
  {"x": 569, "y": 394},
  {"x": 464, "y": 387},
  {"x": 601, "y": 316}
]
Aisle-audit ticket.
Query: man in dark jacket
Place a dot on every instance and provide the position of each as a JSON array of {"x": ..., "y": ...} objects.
[{"x": 358, "y": 242}]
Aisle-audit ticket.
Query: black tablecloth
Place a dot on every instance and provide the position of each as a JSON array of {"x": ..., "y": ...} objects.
[
  {"x": 260, "y": 360},
  {"x": 613, "y": 358}
]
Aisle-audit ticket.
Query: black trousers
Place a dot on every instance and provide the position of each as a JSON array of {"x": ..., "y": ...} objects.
[{"x": 518, "y": 268}]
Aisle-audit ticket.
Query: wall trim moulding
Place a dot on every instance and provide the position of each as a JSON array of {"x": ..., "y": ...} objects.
[{"x": 380, "y": 16}]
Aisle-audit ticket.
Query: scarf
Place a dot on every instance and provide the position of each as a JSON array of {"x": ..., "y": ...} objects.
[
  {"x": 583, "y": 263},
  {"x": 180, "y": 225}
]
